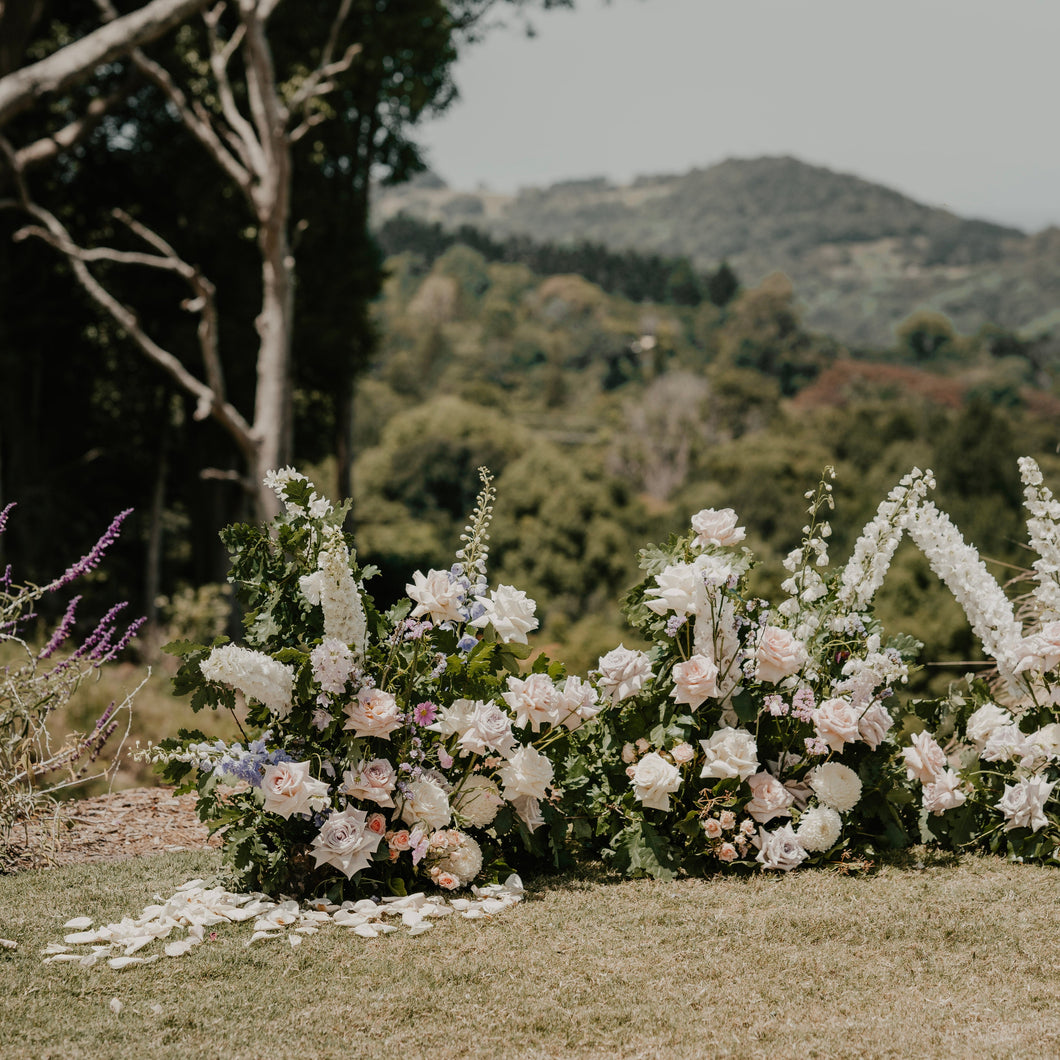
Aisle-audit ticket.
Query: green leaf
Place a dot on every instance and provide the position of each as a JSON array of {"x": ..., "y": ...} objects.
[{"x": 639, "y": 850}]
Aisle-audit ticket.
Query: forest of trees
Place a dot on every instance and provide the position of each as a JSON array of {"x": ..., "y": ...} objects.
[{"x": 255, "y": 318}]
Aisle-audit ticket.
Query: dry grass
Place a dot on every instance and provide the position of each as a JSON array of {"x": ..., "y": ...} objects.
[{"x": 951, "y": 960}]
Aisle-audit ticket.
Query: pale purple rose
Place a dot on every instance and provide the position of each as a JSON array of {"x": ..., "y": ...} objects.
[
  {"x": 779, "y": 850},
  {"x": 346, "y": 841},
  {"x": 288, "y": 789}
]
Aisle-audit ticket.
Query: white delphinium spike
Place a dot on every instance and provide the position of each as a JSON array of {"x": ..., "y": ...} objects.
[
  {"x": 1043, "y": 528},
  {"x": 984, "y": 602},
  {"x": 339, "y": 597},
  {"x": 868, "y": 564}
]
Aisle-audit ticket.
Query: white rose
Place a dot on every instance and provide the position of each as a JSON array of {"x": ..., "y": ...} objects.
[
  {"x": 984, "y": 721},
  {"x": 695, "y": 681},
  {"x": 924, "y": 760},
  {"x": 373, "y": 713},
  {"x": 533, "y": 701},
  {"x": 426, "y": 803},
  {"x": 1023, "y": 804},
  {"x": 1006, "y": 743},
  {"x": 1047, "y": 739},
  {"x": 346, "y": 842},
  {"x": 654, "y": 779},
  {"x": 623, "y": 672},
  {"x": 529, "y": 811},
  {"x": 576, "y": 702},
  {"x": 836, "y": 785},
  {"x": 527, "y": 772},
  {"x": 779, "y": 655},
  {"x": 510, "y": 611},
  {"x": 836, "y": 722},
  {"x": 717, "y": 527},
  {"x": 1041, "y": 650},
  {"x": 437, "y": 595},
  {"x": 675, "y": 589},
  {"x": 477, "y": 801},
  {"x": 779, "y": 850},
  {"x": 486, "y": 727},
  {"x": 943, "y": 793},
  {"x": 730, "y": 753},
  {"x": 769, "y": 798},
  {"x": 288, "y": 789},
  {"x": 819, "y": 829}
]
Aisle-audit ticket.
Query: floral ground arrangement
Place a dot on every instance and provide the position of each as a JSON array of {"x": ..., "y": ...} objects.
[{"x": 427, "y": 746}]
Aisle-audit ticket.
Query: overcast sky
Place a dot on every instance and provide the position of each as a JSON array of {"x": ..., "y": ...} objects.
[{"x": 954, "y": 102}]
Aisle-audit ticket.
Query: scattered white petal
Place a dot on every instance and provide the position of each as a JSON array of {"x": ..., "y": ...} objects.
[
  {"x": 294, "y": 940},
  {"x": 79, "y": 923},
  {"x": 124, "y": 962},
  {"x": 55, "y": 947},
  {"x": 115, "y": 1005},
  {"x": 472, "y": 914},
  {"x": 366, "y": 931},
  {"x": 179, "y": 948},
  {"x": 8, "y": 944},
  {"x": 156, "y": 1009},
  {"x": 59, "y": 957},
  {"x": 263, "y": 935},
  {"x": 79, "y": 938},
  {"x": 420, "y": 928}
]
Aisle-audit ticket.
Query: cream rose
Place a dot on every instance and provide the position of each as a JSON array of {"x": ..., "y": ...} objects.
[
  {"x": 437, "y": 595},
  {"x": 695, "y": 681},
  {"x": 837, "y": 723},
  {"x": 730, "y": 753},
  {"x": 346, "y": 841},
  {"x": 874, "y": 725},
  {"x": 779, "y": 850},
  {"x": 985, "y": 720},
  {"x": 924, "y": 760},
  {"x": 943, "y": 793},
  {"x": 373, "y": 713},
  {"x": 532, "y": 701},
  {"x": 527, "y": 772},
  {"x": 372, "y": 780},
  {"x": 510, "y": 611},
  {"x": 779, "y": 655},
  {"x": 288, "y": 789},
  {"x": 717, "y": 527},
  {"x": 427, "y": 804},
  {"x": 654, "y": 779},
  {"x": 769, "y": 798},
  {"x": 623, "y": 672}
]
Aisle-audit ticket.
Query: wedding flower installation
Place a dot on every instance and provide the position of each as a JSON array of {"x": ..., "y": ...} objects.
[
  {"x": 988, "y": 759},
  {"x": 383, "y": 751},
  {"x": 751, "y": 735}
]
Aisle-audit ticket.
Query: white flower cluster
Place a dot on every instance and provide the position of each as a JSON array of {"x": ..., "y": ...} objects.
[
  {"x": 1043, "y": 528},
  {"x": 255, "y": 674},
  {"x": 332, "y": 588}
]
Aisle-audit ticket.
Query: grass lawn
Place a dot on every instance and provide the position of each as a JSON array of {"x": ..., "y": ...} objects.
[{"x": 954, "y": 959}]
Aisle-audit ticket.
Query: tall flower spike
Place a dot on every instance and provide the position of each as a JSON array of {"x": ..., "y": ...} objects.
[
  {"x": 475, "y": 549},
  {"x": 1043, "y": 528}
]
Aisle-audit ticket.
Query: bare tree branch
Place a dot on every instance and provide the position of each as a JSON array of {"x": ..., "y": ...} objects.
[{"x": 20, "y": 89}]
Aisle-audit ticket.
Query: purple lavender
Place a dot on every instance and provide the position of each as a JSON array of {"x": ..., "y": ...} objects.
[{"x": 91, "y": 559}]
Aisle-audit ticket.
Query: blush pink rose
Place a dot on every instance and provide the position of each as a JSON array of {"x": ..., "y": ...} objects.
[
  {"x": 779, "y": 655},
  {"x": 769, "y": 798},
  {"x": 695, "y": 681},
  {"x": 717, "y": 527},
  {"x": 837, "y": 723}
]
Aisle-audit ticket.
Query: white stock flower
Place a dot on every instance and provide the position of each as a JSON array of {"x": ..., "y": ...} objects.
[
  {"x": 654, "y": 779},
  {"x": 337, "y": 592},
  {"x": 836, "y": 785},
  {"x": 943, "y": 793},
  {"x": 1043, "y": 528},
  {"x": 623, "y": 672},
  {"x": 477, "y": 802},
  {"x": 717, "y": 527},
  {"x": 532, "y": 701},
  {"x": 695, "y": 681},
  {"x": 345, "y": 841},
  {"x": 730, "y": 753},
  {"x": 780, "y": 849},
  {"x": 437, "y": 595},
  {"x": 769, "y": 798},
  {"x": 510, "y": 611},
  {"x": 426, "y": 803},
  {"x": 778, "y": 655},
  {"x": 288, "y": 789},
  {"x": 1023, "y": 803},
  {"x": 819, "y": 829},
  {"x": 527, "y": 772},
  {"x": 255, "y": 674},
  {"x": 332, "y": 663}
]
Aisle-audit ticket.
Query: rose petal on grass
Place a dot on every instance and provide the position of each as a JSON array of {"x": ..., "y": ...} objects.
[
  {"x": 366, "y": 931},
  {"x": 420, "y": 928},
  {"x": 294, "y": 940},
  {"x": 115, "y": 1005},
  {"x": 79, "y": 923},
  {"x": 125, "y": 962}
]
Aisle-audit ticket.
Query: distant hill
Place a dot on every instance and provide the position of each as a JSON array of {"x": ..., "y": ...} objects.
[{"x": 862, "y": 257}]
